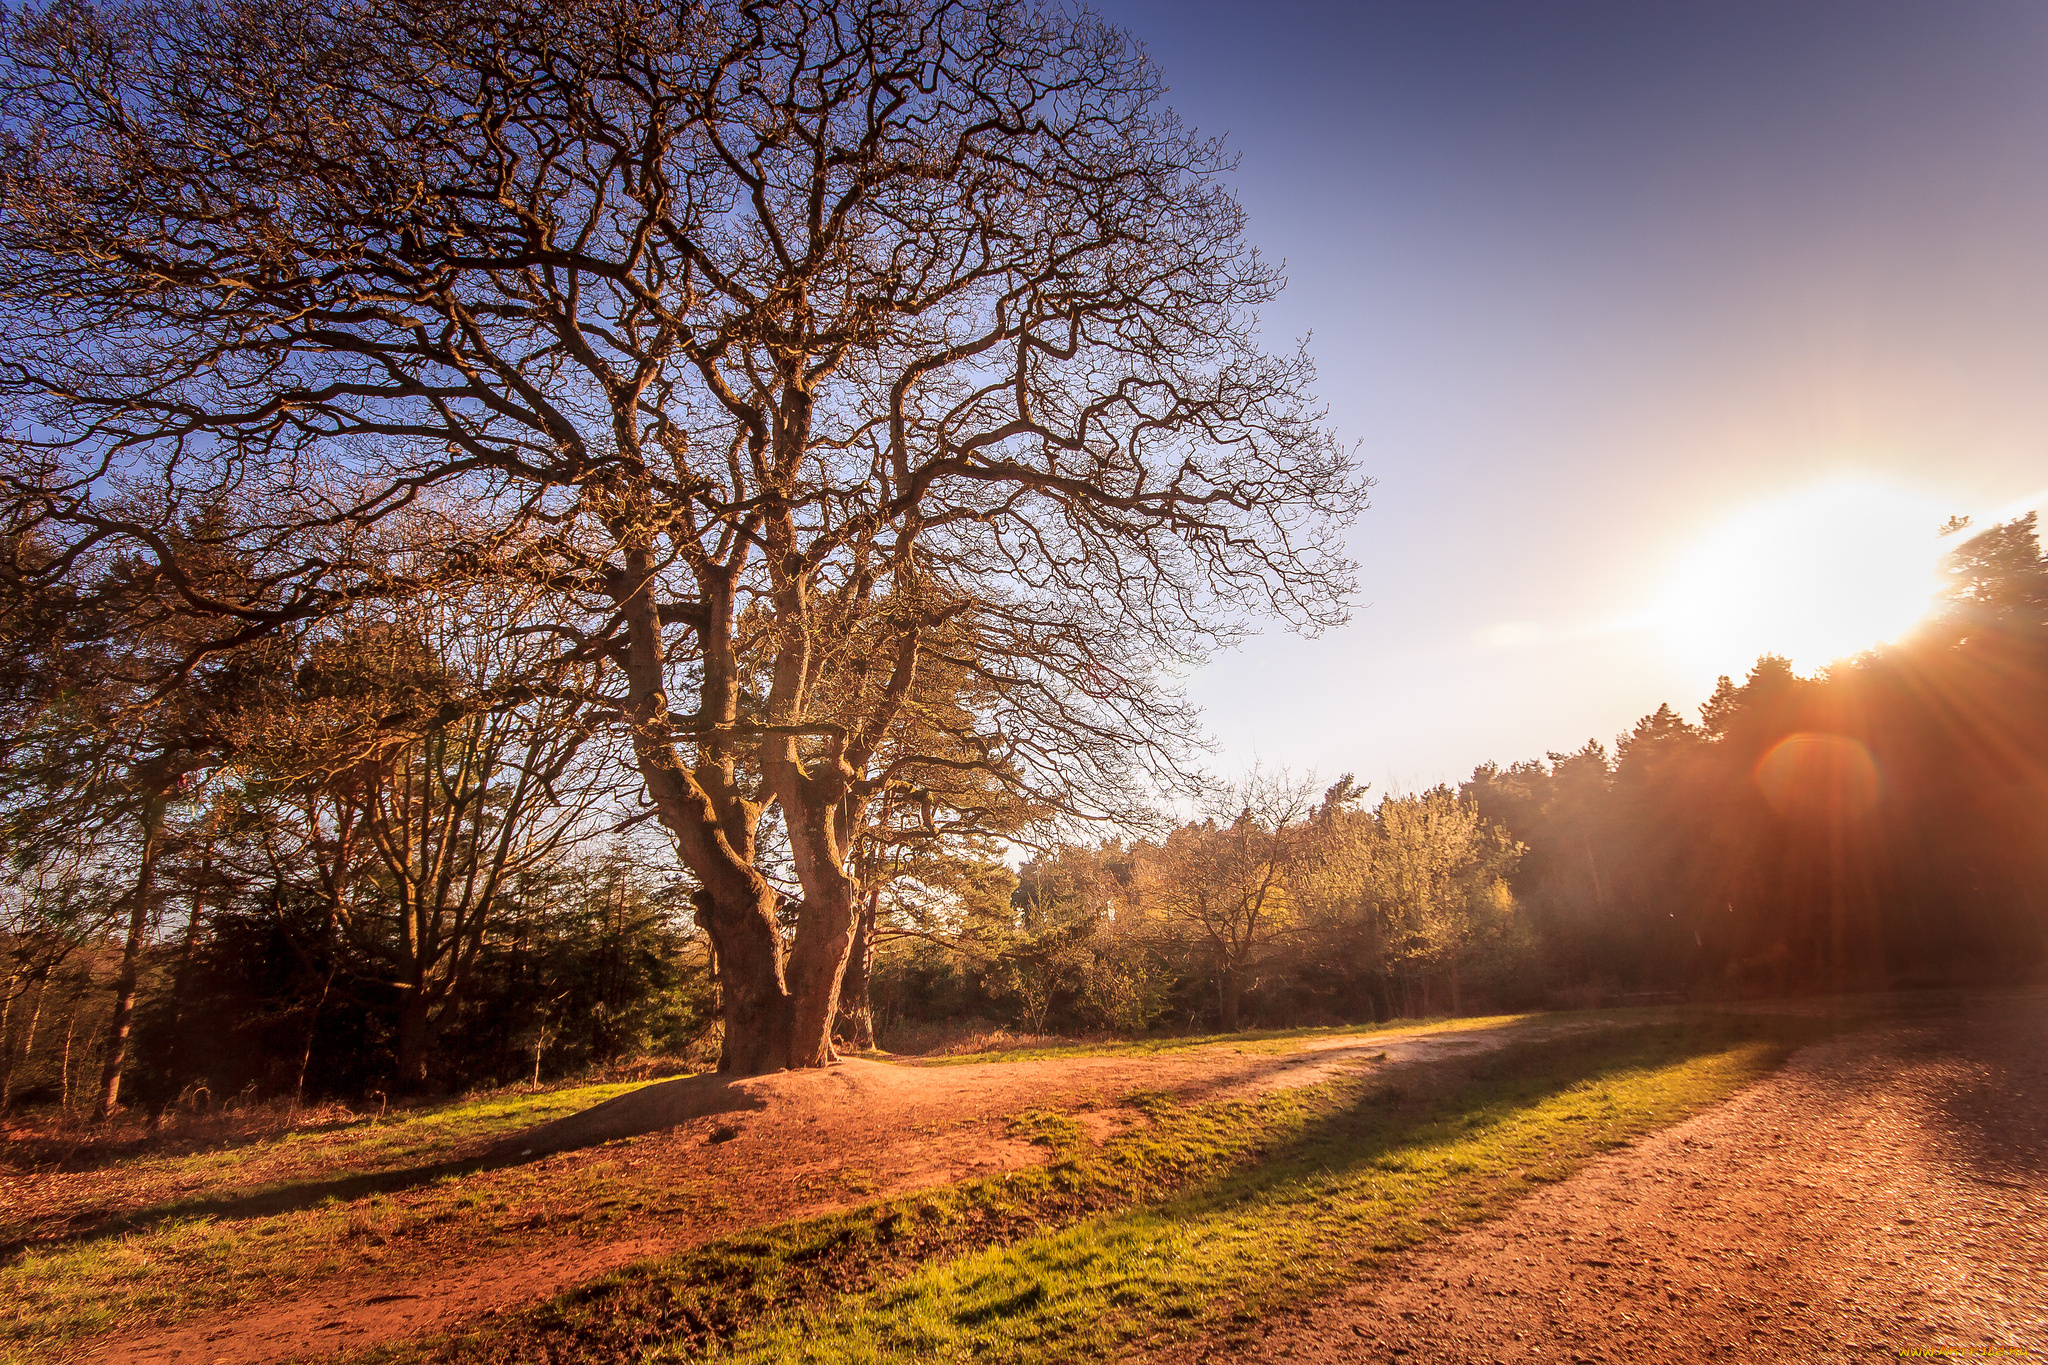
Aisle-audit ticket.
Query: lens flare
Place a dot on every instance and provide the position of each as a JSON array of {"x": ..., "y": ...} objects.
[{"x": 1812, "y": 775}]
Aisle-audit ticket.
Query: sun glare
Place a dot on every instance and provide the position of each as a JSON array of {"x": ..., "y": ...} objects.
[{"x": 1816, "y": 576}]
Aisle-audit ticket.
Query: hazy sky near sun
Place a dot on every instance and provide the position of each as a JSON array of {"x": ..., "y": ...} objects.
[{"x": 1590, "y": 283}]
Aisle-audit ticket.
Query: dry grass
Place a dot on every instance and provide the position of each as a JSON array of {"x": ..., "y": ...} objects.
[
  {"x": 53, "y": 1141},
  {"x": 217, "y": 1209},
  {"x": 1041, "y": 1047},
  {"x": 969, "y": 1036}
]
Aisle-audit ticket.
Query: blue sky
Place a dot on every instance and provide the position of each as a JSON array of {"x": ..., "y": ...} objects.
[{"x": 1589, "y": 284}]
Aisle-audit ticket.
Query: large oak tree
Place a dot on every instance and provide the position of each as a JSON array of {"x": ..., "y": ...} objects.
[{"x": 795, "y": 346}]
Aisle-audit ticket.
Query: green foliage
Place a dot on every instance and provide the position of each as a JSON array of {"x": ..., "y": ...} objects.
[
  {"x": 1049, "y": 948},
  {"x": 1995, "y": 583},
  {"x": 1289, "y": 910},
  {"x": 594, "y": 960}
]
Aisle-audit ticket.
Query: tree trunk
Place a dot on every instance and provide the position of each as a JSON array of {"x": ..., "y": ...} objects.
[
  {"x": 312, "y": 1032},
  {"x": 1231, "y": 989},
  {"x": 28, "y": 1043},
  {"x": 181, "y": 984},
  {"x": 131, "y": 966},
  {"x": 856, "y": 1010},
  {"x": 415, "y": 1041},
  {"x": 755, "y": 1002},
  {"x": 7, "y": 1042},
  {"x": 64, "y": 1066},
  {"x": 824, "y": 935},
  {"x": 712, "y": 827}
]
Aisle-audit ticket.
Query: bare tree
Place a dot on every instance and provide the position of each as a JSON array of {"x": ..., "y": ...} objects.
[
  {"x": 47, "y": 910},
  {"x": 946, "y": 808},
  {"x": 795, "y": 346},
  {"x": 1233, "y": 882}
]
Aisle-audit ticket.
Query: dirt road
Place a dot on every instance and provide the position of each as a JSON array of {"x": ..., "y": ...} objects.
[{"x": 1884, "y": 1196}]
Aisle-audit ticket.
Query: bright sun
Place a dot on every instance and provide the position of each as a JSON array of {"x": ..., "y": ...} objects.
[{"x": 1820, "y": 574}]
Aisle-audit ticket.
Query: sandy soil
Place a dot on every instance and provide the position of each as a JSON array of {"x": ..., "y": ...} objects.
[
  {"x": 775, "y": 1147},
  {"x": 1885, "y": 1194}
]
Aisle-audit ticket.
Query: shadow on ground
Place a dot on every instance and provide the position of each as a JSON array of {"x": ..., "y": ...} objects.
[{"x": 661, "y": 1105}]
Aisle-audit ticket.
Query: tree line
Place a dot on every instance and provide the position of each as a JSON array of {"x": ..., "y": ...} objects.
[
  {"x": 1278, "y": 907},
  {"x": 385, "y": 882},
  {"x": 1881, "y": 824},
  {"x": 391, "y": 889}
]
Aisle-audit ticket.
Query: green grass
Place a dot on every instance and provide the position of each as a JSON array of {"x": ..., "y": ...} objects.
[
  {"x": 1251, "y": 1040},
  {"x": 1203, "y": 1221}
]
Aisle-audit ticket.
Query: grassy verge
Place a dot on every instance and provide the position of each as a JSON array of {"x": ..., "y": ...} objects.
[
  {"x": 1210, "y": 1216},
  {"x": 1253, "y": 1040},
  {"x": 357, "y": 1145},
  {"x": 167, "y": 1235}
]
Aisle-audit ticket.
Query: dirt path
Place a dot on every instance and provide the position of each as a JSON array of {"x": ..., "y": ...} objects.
[
  {"x": 775, "y": 1147},
  {"x": 1886, "y": 1193}
]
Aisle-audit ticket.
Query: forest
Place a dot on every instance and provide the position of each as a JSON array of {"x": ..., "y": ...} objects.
[
  {"x": 477, "y": 904},
  {"x": 538, "y": 536}
]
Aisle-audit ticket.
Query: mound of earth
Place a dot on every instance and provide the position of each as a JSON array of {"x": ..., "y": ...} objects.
[
  {"x": 856, "y": 1087},
  {"x": 848, "y": 1087}
]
